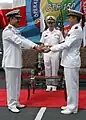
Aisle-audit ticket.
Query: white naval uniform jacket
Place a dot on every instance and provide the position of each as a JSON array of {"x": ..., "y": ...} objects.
[
  {"x": 71, "y": 47},
  {"x": 12, "y": 43},
  {"x": 52, "y": 38}
]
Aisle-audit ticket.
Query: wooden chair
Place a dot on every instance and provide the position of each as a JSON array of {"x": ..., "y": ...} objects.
[{"x": 29, "y": 61}]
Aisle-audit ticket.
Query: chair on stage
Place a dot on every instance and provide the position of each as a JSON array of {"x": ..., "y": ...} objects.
[{"x": 30, "y": 63}]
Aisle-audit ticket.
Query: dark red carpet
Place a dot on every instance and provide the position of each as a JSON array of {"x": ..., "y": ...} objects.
[{"x": 42, "y": 98}]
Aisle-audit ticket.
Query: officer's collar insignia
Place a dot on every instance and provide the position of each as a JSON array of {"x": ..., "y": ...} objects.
[
  {"x": 46, "y": 35},
  {"x": 62, "y": 42},
  {"x": 76, "y": 27},
  {"x": 68, "y": 35}
]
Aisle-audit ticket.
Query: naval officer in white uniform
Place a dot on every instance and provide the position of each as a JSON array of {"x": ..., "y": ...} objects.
[
  {"x": 71, "y": 61},
  {"x": 12, "y": 43},
  {"x": 51, "y": 37}
]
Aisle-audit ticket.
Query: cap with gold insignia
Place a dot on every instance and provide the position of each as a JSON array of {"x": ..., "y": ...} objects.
[
  {"x": 50, "y": 19},
  {"x": 74, "y": 13},
  {"x": 13, "y": 13}
]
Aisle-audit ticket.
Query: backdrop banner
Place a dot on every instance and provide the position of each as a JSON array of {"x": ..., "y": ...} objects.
[{"x": 36, "y": 12}]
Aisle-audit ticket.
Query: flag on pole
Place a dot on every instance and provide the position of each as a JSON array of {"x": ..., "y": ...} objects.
[
  {"x": 42, "y": 23},
  {"x": 83, "y": 10},
  {"x": 8, "y": 5}
]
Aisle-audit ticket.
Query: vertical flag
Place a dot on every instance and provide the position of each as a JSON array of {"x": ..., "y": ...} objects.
[
  {"x": 83, "y": 10},
  {"x": 42, "y": 23}
]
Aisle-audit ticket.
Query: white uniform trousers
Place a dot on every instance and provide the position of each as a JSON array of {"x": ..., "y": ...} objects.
[
  {"x": 13, "y": 83},
  {"x": 51, "y": 63},
  {"x": 72, "y": 86}
]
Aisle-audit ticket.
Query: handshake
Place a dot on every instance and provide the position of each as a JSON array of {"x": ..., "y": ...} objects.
[{"x": 43, "y": 48}]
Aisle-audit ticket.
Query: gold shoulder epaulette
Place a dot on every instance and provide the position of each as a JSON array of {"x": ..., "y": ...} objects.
[{"x": 76, "y": 27}]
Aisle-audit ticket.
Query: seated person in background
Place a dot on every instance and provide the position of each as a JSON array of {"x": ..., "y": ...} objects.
[{"x": 51, "y": 37}]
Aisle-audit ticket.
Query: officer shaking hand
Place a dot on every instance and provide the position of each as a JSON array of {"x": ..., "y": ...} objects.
[
  {"x": 71, "y": 60},
  {"x": 12, "y": 43}
]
